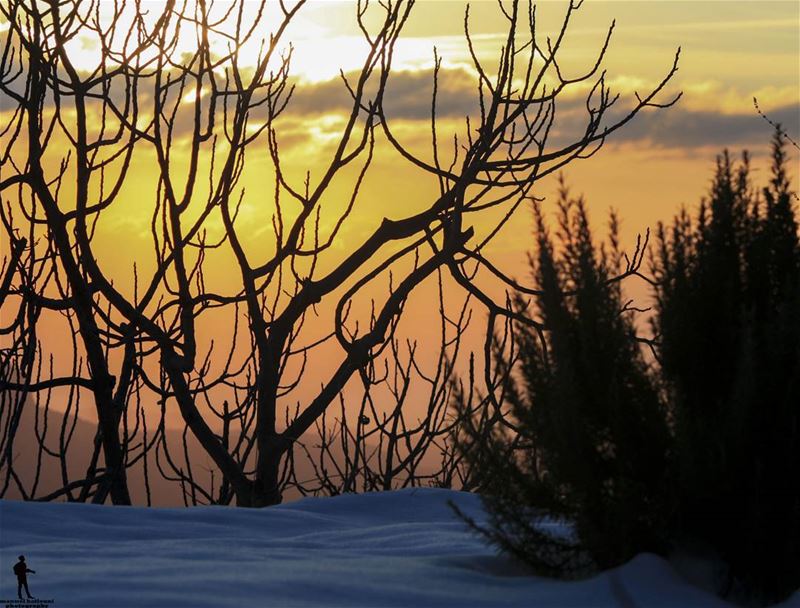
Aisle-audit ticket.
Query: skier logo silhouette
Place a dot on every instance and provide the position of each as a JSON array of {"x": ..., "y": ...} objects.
[{"x": 21, "y": 570}]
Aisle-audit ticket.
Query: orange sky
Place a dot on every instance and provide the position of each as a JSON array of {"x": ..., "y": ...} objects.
[{"x": 731, "y": 52}]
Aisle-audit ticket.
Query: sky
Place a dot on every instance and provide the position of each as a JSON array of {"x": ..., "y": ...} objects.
[{"x": 731, "y": 52}]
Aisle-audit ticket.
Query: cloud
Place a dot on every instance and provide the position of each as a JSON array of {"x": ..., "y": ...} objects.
[
  {"x": 408, "y": 95},
  {"x": 711, "y": 115},
  {"x": 685, "y": 128},
  {"x": 695, "y": 123}
]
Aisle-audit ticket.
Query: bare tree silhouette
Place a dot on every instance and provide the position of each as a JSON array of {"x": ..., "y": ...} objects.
[{"x": 154, "y": 343}]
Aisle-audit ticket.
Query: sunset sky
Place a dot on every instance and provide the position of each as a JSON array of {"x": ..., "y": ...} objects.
[{"x": 732, "y": 51}]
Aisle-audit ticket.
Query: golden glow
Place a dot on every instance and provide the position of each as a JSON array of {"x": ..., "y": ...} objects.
[
  {"x": 750, "y": 51},
  {"x": 647, "y": 175}
]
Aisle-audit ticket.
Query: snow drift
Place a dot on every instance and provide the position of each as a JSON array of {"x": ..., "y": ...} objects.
[{"x": 402, "y": 548}]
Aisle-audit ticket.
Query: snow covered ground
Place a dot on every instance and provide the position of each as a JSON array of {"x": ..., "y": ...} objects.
[{"x": 403, "y": 548}]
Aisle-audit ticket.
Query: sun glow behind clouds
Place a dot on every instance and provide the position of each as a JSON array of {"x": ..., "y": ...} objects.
[
  {"x": 318, "y": 51},
  {"x": 645, "y": 180}
]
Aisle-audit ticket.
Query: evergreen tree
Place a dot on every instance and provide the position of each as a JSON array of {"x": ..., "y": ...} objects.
[
  {"x": 590, "y": 415},
  {"x": 727, "y": 317},
  {"x": 711, "y": 449}
]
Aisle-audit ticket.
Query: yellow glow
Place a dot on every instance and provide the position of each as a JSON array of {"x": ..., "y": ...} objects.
[
  {"x": 725, "y": 63},
  {"x": 192, "y": 95}
]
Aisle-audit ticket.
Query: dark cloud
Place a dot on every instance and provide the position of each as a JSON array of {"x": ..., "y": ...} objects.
[
  {"x": 407, "y": 96},
  {"x": 679, "y": 128}
]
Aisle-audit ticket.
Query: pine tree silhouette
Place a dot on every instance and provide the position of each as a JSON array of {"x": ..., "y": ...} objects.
[
  {"x": 727, "y": 317},
  {"x": 706, "y": 445},
  {"x": 587, "y": 406}
]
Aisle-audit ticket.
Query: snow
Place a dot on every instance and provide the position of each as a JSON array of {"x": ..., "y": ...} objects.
[{"x": 402, "y": 548}]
